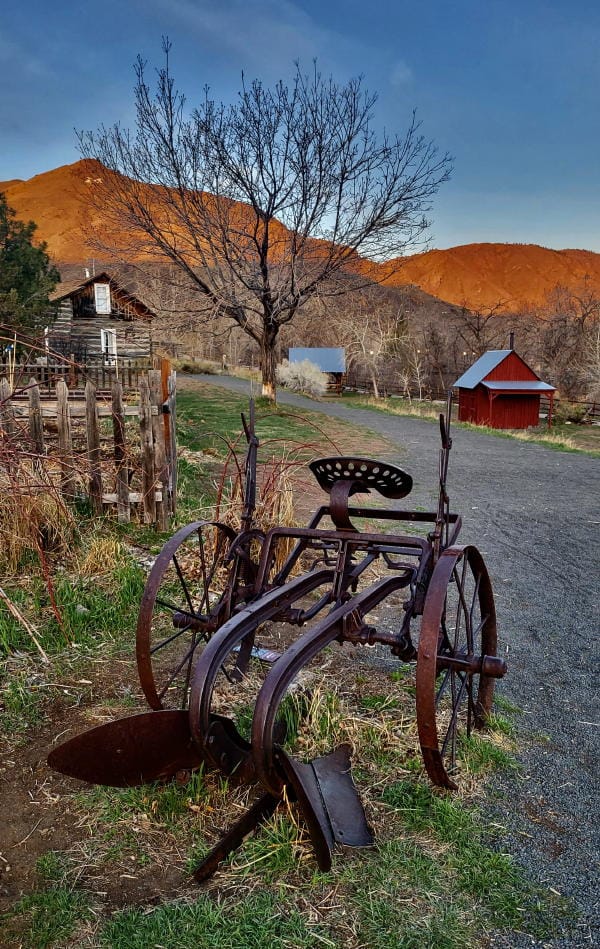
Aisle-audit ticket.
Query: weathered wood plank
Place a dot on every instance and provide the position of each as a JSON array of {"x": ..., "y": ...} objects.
[
  {"x": 65, "y": 444},
  {"x": 172, "y": 442},
  {"x": 36, "y": 424},
  {"x": 7, "y": 415},
  {"x": 146, "y": 441},
  {"x": 93, "y": 448},
  {"x": 120, "y": 453},
  {"x": 160, "y": 459}
]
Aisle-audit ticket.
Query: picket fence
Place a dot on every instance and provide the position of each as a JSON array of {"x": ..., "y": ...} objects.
[{"x": 120, "y": 453}]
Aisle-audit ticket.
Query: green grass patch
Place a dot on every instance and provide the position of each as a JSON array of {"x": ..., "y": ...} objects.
[
  {"x": 259, "y": 920},
  {"x": 483, "y": 887},
  {"x": 211, "y": 424},
  {"x": 161, "y": 803},
  {"x": 46, "y": 918},
  {"x": 21, "y": 705},
  {"x": 479, "y": 753},
  {"x": 91, "y": 609},
  {"x": 378, "y": 703}
]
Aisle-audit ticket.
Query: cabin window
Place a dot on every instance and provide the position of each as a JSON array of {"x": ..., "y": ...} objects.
[
  {"x": 102, "y": 298},
  {"x": 108, "y": 346}
]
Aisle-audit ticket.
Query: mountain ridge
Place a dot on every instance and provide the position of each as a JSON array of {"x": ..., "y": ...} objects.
[{"x": 479, "y": 275}]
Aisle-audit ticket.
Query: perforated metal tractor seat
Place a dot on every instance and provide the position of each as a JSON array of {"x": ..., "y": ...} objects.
[{"x": 386, "y": 479}]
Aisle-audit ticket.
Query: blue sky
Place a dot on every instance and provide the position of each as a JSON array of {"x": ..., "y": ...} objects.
[{"x": 511, "y": 89}]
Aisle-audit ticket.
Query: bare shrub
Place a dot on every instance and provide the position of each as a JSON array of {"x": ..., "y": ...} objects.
[{"x": 302, "y": 376}]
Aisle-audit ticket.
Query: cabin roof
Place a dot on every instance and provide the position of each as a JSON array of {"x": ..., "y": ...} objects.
[{"x": 67, "y": 289}]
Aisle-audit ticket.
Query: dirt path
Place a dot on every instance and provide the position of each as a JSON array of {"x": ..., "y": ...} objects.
[{"x": 534, "y": 513}]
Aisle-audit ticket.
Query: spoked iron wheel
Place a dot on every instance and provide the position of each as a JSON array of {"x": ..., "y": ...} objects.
[
  {"x": 456, "y": 665},
  {"x": 187, "y": 597}
]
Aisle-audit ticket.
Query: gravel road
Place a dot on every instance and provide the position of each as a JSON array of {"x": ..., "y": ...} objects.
[{"x": 534, "y": 514}]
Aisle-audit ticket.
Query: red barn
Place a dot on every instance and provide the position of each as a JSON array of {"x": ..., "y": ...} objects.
[{"x": 501, "y": 390}]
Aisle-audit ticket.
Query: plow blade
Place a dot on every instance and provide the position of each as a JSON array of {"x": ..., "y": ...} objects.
[
  {"x": 130, "y": 751},
  {"x": 329, "y": 802}
]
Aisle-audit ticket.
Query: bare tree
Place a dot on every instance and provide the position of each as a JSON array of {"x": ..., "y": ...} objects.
[
  {"x": 570, "y": 324},
  {"x": 264, "y": 202},
  {"x": 480, "y": 330},
  {"x": 374, "y": 333}
]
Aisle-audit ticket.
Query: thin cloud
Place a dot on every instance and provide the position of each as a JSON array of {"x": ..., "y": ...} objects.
[
  {"x": 267, "y": 36},
  {"x": 401, "y": 74},
  {"x": 20, "y": 61}
]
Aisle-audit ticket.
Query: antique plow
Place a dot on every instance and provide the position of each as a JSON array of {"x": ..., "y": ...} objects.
[{"x": 213, "y": 592}]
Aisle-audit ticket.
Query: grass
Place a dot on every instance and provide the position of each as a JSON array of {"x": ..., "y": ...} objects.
[
  {"x": 207, "y": 424},
  {"x": 90, "y": 609},
  {"x": 258, "y": 921},
  {"x": 394, "y": 405},
  {"x": 46, "y": 918}
]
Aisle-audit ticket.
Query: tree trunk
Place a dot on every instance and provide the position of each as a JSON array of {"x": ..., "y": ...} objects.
[
  {"x": 267, "y": 363},
  {"x": 374, "y": 383}
]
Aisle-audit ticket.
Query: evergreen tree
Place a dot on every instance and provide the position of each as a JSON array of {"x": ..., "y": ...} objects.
[{"x": 26, "y": 275}]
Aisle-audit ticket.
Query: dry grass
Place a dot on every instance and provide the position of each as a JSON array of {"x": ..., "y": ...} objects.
[
  {"x": 562, "y": 441},
  {"x": 400, "y": 406},
  {"x": 33, "y": 516},
  {"x": 102, "y": 554}
]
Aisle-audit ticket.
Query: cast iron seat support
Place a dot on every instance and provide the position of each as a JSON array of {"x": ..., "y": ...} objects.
[{"x": 342, "y": 477}]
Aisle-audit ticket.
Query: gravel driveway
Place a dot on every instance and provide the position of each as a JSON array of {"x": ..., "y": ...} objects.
[{"x": 534, "y": 514}]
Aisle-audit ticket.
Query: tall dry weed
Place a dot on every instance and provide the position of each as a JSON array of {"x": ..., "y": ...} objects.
[{"x": 34, "y": 518}]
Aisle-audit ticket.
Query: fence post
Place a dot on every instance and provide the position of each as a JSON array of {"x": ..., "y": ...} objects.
[
  {"x": 148, "y": 478},
  {"x": 160, "y": 460},
  {"x": 7, "y": 415},
  {"x": 36, "y": 423},
  {"x": 65, "y": 445},
  {"x": 120, "y": 454},
  {"x": 93, "y": 447},
  {"x": 168, "y": 384},
  {"x": 172, "y": 444}
]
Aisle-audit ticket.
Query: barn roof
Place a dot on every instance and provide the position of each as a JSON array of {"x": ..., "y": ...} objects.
[{"x": 327, "y": 359}]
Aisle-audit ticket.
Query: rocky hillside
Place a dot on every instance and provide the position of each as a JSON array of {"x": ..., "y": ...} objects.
[{"x": 511, "y": 276}]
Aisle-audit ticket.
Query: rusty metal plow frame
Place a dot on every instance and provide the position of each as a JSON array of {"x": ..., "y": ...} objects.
[{"x": 448, "y": 588}]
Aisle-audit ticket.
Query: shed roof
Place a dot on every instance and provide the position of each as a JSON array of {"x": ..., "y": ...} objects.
[
  {"x": 480, "y": 368},
  {"x": 520, "y": 386},
  {"x": 331, "y": 359}
]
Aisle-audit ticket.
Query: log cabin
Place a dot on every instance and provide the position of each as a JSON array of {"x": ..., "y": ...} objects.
[{"x": 99, "y": 320}]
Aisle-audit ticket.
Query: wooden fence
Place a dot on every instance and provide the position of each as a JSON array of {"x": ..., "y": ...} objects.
[
  {"x": 115, "y": 453},
  {"x": 52, "y": 369}
]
